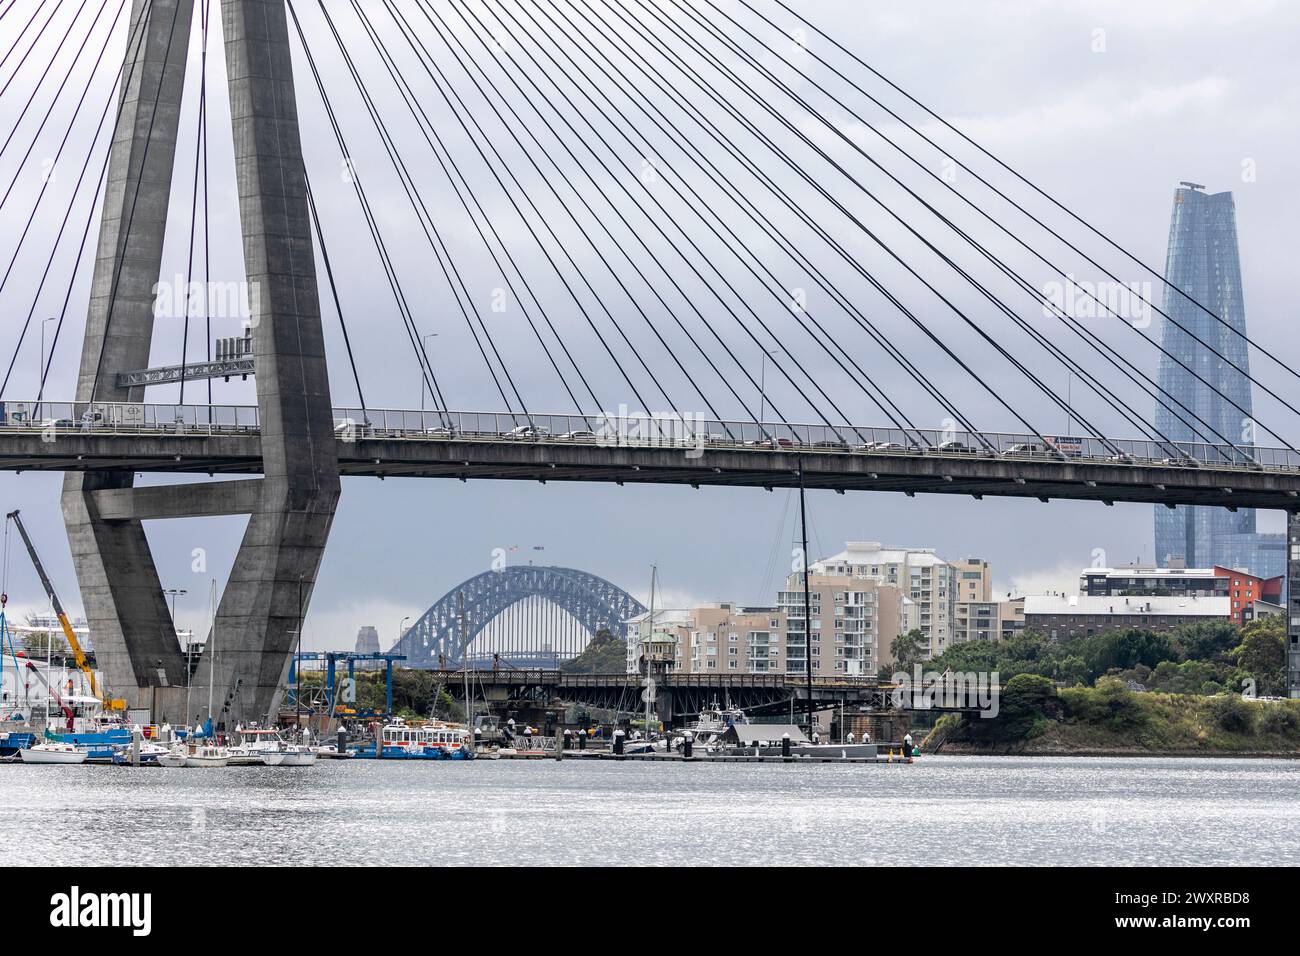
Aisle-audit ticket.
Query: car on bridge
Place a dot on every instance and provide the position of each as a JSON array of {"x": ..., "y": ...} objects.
[{"x": 528, "y": 431}]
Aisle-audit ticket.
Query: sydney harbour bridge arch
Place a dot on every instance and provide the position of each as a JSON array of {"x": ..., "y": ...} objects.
[{"x": 532, "y": 615}]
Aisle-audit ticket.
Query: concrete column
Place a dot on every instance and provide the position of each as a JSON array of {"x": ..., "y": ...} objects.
[
  {"x": 257, "y": 620},
  {"x": 135, "y": 642},
  {"x": 1293, "y": 605}
]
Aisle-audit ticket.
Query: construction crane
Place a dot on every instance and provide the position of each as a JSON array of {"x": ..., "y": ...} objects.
[{"x": 79, "y": 656}]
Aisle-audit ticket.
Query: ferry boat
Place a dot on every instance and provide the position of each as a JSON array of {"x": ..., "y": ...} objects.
[{"x": 435, "y": 741}]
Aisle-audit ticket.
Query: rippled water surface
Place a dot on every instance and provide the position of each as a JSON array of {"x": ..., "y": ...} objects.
[{"x": 940, "y": 810}]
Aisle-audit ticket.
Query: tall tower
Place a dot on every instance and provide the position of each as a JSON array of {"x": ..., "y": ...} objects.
[
  {"x": 289, "y": 509},
  {"x": 1203, "y": 266}
]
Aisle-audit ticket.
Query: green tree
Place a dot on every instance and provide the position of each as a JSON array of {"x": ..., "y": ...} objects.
[
  {"x": 909, "y": 649},
  {"x": 606, "y": 654},
  {"x": 1262, "y": 655}
]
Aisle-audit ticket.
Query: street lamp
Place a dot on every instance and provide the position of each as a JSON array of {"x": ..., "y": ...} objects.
[
  {"x": 423, "y": 383},
  {"x": 400, "y": 632},
  {"x": 40, "y": 372},
  {"x": 762, "y": 386}
]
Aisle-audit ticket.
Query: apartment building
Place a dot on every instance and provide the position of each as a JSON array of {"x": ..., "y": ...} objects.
[
  {"x": 925, "y": 578},
  {"x": 1064, "y": 616},
  {"x": 715, "y": 637},
  {"x": 854, "y": 623},
  {"x": 1241, "y": 588}
]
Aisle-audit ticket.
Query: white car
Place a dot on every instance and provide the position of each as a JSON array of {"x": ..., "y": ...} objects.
[
  {"x": 579, "y": 435},
  {"x": 528, "y": 431}
]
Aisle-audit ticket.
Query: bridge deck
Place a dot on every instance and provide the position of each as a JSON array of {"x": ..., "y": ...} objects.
[{"x": 230, "y": 444}]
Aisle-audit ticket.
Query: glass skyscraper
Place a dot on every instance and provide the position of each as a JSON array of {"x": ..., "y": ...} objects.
[{"x": 1203, "y": 263}]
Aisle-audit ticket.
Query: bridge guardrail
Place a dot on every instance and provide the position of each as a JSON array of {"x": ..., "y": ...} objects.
[{"x": 645, "y": 431}]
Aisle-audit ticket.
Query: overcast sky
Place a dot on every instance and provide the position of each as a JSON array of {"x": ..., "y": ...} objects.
[{"x": 1107, "y": 106}]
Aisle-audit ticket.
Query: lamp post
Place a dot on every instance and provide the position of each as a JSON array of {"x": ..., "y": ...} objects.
[
  {"x": 400, "y": 624},
  {"x": 423, "y": 383},
  {"x": 40, "y": 372},
  {"x": 762, "y": 387}
]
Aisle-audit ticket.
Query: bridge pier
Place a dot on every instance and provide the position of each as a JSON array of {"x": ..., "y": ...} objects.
[{"x": 292, "y": 508}]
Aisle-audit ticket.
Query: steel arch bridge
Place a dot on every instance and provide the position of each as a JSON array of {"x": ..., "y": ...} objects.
[{"x": 539, "y": 591}]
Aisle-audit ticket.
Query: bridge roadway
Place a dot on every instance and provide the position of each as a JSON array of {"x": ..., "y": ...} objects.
[{"x": 492, "y": 447}]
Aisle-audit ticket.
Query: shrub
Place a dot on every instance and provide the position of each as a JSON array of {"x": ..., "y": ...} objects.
[{"x": 1233, "y": 714}]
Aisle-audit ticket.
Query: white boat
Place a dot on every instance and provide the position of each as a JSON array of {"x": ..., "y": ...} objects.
[
  {"x": 208, "y": 756},
  {"x": 173, "y": 759},
  {"x": 291, "y": 756},
  {"x": 53, "y": 753},
  {"x": 269, "y": 748}
]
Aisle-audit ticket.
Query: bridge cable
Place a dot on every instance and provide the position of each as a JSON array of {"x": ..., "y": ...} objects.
[
  {"x": 989, "y": 340},
  {"x": 40, "y": 32},
  {"x": 135, "y": 199},
  {"x": 435, "y": 240},
  {"x": 782, "y": 296},
  {"x": 200, "y": 150},
  {"x": 568, "y": 287},
  {"x": 1090, "y": 338},
  {"x": 68, "y": 212},
  {"x": 518, "y": 122},
  {"x": 1019, "y": 280},
  {"x": 618, "y": 180},
  {"x": 1093, "y": 229},
  {"x": 100, "y": 188},
  {"x": 1103, "y": 392},
  {"x": 334, "y": 292},
  {"x": 430, "y": 380},
  {"x": 700, "y": 254},
  {"x": 412, "y": 40},
  {"x": 426, "y": 127},
  {"x": 752, "y": 210},
  {"x": 54, "y": 102},
  {"x": 421, "y": 210},
  {"x": 701, "y": 160},
  {"x": 733, "y": 150},
  {"x": 870, "y": 388},
  {"x": 49, "y": 177}
]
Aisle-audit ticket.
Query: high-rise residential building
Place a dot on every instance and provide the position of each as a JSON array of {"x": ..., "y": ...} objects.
[
  {"x": 1203, "y": 268},
  {"x": 854, "y": 623},
  {"x": 925, "y": 577}
]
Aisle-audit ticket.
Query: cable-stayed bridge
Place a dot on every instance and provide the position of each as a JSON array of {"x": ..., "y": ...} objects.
[{"x": 717, "y": 209}]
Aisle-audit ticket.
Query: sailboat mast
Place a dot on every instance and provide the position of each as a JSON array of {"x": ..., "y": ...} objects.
[
  {"x": 807, "y": 600},
  {"x": 212, "y": 642}
]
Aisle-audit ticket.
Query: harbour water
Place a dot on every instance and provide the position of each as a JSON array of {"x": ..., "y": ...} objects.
[{"x": 939, "y": 811}]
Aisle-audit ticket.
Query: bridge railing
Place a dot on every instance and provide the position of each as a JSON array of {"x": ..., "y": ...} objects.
[{"x": 632, "y": 430}]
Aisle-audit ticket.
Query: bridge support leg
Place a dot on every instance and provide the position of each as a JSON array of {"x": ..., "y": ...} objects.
[
  {"x": 135, "y": 643},
  {"x": 257, "y": 622},
  {"x": 1293, "y": 605},
  {"x": 275, "y": 571}
]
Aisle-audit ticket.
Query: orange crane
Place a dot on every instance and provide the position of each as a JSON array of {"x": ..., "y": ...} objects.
[{"x": 78, "y": 654}]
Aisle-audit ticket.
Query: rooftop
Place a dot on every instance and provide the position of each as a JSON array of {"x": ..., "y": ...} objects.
[{"x": 1102, "y": 605}]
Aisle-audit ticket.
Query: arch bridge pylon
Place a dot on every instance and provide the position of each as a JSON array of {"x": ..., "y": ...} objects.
[{"x": 291, "y": 507}]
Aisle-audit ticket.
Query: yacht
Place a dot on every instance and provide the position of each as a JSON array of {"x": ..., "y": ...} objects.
[
  {"x": 208, "y": 755},
  {"x": 256, "y": 746},
  {"x": 53, "y": 752}
]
